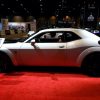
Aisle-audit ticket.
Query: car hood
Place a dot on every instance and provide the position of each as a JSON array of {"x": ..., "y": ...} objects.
[
  {"x": 2, "y": 41},
  {"x": 16, "y": 45}
]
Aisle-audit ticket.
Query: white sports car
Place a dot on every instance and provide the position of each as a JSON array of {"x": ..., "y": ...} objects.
[{"x": 53, "y": 47}]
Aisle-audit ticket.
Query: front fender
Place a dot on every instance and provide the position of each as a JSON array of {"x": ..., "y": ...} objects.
[
  {"x": 87, "y": 52},
  {"x": 10, "y": 55}
]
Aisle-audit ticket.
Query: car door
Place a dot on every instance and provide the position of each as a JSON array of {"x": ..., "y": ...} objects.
[
  {"x": 46, "y": 51},
  {"x": 73, "y": 49}
]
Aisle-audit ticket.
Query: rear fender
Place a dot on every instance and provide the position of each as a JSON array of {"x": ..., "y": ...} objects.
[{"x": 86, "y": 52}]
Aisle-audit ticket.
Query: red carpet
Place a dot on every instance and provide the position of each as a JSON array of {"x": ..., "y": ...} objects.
[{"x": 48, "y": 86}]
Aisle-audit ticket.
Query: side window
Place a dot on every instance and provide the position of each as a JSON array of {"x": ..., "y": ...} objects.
[
  {"x": 56, "y": 37},
  {"x": 70, "y": 36},
  {"x": 49, "y": 37}
]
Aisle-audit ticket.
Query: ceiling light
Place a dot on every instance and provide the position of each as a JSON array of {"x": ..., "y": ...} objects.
[
  {"x": 8, "y": 8},
  {"x": 41, "y": 5},
  {"x": 21, "y": 4},
  {"x": 2, "y": 4},
  {"x": 24, "y": 8},
  {"x": 59, "y": 5},
  {"x": 13, "y": 11}
]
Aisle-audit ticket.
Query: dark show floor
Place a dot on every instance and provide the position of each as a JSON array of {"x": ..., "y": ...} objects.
[{"x": 48, "y": 84}]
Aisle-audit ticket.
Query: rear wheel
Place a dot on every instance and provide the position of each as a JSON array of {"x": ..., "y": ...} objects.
[
  {"x": 91, "y": 65},
  {"x": 5, "y": 63}
]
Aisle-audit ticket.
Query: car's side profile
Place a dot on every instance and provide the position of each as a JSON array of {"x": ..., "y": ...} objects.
[{"x": 53, "y": 47}]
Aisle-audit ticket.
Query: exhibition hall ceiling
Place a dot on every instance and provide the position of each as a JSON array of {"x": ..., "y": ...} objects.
[{"x": 45, "y": 7}]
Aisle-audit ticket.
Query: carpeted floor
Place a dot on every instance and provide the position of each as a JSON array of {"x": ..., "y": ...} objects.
[{"x": 32, "y": 85}]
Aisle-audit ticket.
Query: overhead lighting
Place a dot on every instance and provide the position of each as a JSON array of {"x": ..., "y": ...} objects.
[
  {"x": 24, "y": 8},
  {"x": 27, "y": 11},
  {"x": 13, "y": 11},
  {"x": 56, "y": 15},
  {"x": 2, "y": 4},
  {"x": 41, "y": 10},
  {"x": 8, "y": 8},
  {"x": 59, "y": 5},
  {"x": 73, "y": 8},
  {"x": 69, "y": 11},
  {"x": 41, "y": 5},
  {"x": 21, "y": 4}
]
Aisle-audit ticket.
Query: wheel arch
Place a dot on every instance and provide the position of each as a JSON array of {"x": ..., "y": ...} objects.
[
  {"x": 10, "y": 56},
  {"x": 87, "y": 57},
  {"x": 86, "y": 53}
]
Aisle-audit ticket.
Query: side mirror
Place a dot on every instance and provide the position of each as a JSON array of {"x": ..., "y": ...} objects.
[{"x": 33, "y": 42}]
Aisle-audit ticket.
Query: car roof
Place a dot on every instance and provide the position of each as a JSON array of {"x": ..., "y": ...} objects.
[
  {"x": 58, "y": 29},
  {"x": 81, "y": 32}
]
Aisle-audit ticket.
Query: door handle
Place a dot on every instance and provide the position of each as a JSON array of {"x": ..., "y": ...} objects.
[{"x": 62, "y": 46}]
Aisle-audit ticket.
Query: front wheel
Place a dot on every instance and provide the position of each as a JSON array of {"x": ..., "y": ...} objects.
[{"x": 5, "y": 63}]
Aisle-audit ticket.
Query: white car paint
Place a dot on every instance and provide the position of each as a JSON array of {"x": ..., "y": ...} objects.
[
  {"x": 53, "y": 54},
  {"x": 1, "y": 41}
]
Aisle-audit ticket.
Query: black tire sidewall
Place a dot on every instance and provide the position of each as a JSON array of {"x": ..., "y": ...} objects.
[
  {"x": 91, "y": 66},
  {"x": 6, "y": 63}
]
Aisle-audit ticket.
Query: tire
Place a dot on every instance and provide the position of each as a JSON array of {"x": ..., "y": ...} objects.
[
  {"x": 5, "y": 63},
  {"x": 91, "y": 65}
]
